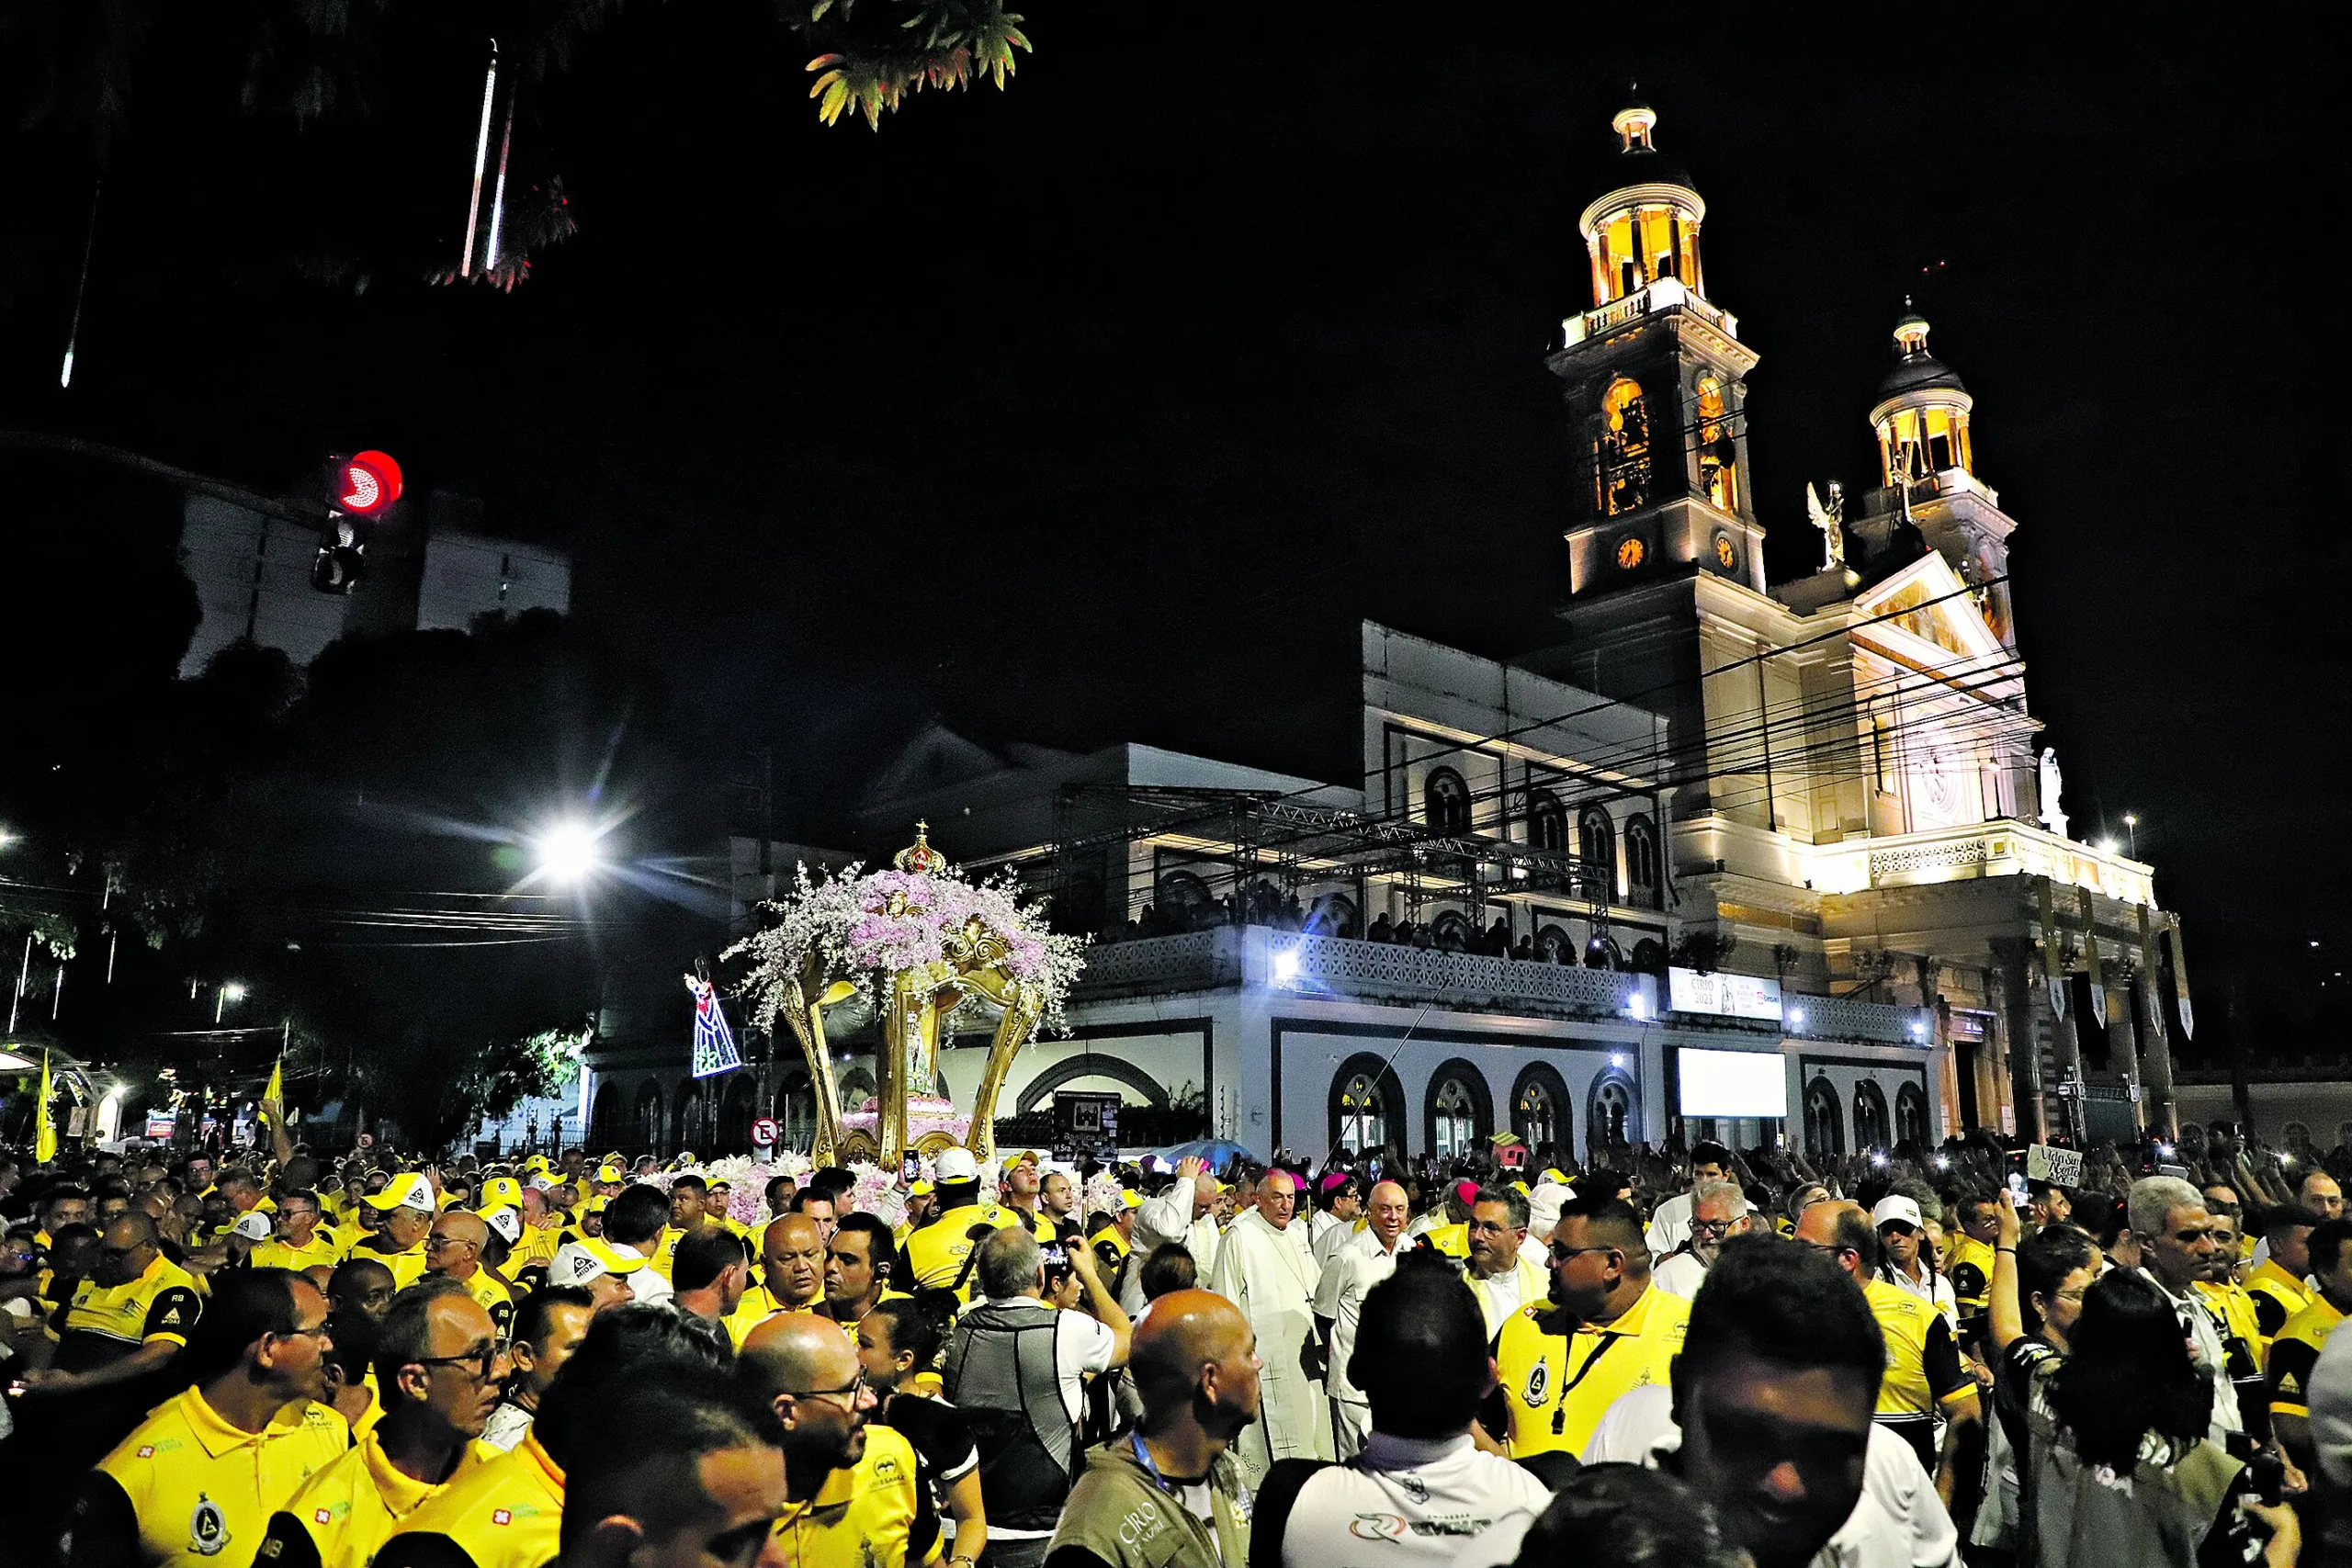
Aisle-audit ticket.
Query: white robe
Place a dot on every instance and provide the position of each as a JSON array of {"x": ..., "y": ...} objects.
[
  {"x": 1168, "y": 1217},
  {"x": 1270, "y": 1274}
]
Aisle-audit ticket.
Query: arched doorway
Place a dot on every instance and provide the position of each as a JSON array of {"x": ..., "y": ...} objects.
[
  {"x": 1554, "y": 945},
  {"x": 1609, "y": 1117},
  {"x": 1825, "y": 1123},
  {"x": 688, "y": 1117},
  {"x": 1445, "y": 801},
  {"x": 604, "y": 1121},
  {"x": 733, "y": 1134},
  {"x": 645, "y": 1131},
  {"x": 1458, "y": 1112},
  {"x": 1367, "y": 1100},
  {"x": 1334, "y": 915},
  {"x": 1539, "y": 1110},
  {"x": 1452, "y": 932},
  {"x": 1871, "y": 1127},
  {"x": 1185, "y": 902},
  {"x": 795, "y": 1110},
  {"x": 1911, "y": 1115},
  {"x": 857, "y": 1089}
]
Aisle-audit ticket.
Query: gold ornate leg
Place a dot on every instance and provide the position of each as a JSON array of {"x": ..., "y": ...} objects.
[
  {"x": 1021, "y": 1008},
  {"x": 807, "y": 1022}
]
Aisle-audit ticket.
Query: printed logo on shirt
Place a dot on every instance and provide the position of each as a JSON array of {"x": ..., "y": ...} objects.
[
  {"x": 1539, "y": 1382},
  {"x": 1376, "y": 1526},
  {"x": 1415, "y": 1487},
  {"x": 146, "y": 1451},
  {"x": 501, "y": 1515},
  {"x": 208, "y": 1528},
  {"x": 1142, "y": 1523}
]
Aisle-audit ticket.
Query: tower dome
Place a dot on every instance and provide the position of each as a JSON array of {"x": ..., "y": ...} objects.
[
  {"x": 1921, "y": 413},
  {"x": 1642, "y": 223}
]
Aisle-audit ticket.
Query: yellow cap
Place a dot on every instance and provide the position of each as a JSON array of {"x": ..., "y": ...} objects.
[
  {"x": 921, "y": 1188},
  {"x": 499, "y": 1192},
  {"x": 1130, "y": 1198},
  {"x": 405, "y": 1191}
]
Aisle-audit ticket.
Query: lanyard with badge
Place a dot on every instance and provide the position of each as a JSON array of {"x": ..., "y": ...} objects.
[{"x": 1560, "y": 1405}]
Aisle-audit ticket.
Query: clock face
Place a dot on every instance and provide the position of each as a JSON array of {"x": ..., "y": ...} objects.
[
  {"x": 1727, "y": 553},
  {"x": 1630, "y": 552}
]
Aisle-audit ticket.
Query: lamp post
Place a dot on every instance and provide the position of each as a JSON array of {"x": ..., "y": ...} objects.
[
  {"x": 2131, "y": 832},
  {"x": 222, "y": 995}
]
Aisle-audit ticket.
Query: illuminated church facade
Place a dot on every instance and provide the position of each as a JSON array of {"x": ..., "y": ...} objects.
[{"x": 1731, "y": 859}]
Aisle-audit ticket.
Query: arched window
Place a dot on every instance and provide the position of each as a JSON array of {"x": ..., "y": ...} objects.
[
  {"x": 1610, "y": 1121},
  {"x": 1597, "y": 847},
  {"x": 1184, "y": 901},
  {"x": 1623, "y": 472},
  {"x": 1334, "y": 915},
  {"x": 1649, "y": 956},
  {"x": 1445, "y": 801},
  {"x": 857, "y": 1089},
  {"x": 1825, "y": 1121},
  {"x": 1548, "y": 822},
  {"x": 646, "y": 1129},
  {"x": 1871, "y": 1126},
  {"x": 1365, "y": 1099},
  {"x": 2297, "y": 1136},
  {"x": 795, "y": 1110},
  {"x": 1718, "y": 452},
  {"x": 1449, "y": 1121},
  {"x": 1554, "y": 945},
  {"x": 1452, "y": 933},
  {"x": 687, "y": 1120},
  {"x": 1911, "y": 1115},
  {"x": 1641, "y": 861},
  {"x": 1539, "y": 1112}
]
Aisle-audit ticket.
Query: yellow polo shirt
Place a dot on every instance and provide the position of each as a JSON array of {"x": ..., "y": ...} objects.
[
  {"x": 756, "y": 1307},
  {"x": 1923, "y": 1367},
  {"x": 536, "y": 1247},
  {"x": 339, "y": 1516},
  {"x": 860, "y": 1518},
  {"x": 188, "y": 1488},
  {"x": 2294, "y": 1356},
  {"x": 1555, "y": 1386},
  {"x": 105, "y": 1323},
  {"x": 506, "y": 1512},
  {"x": 491, "y": 1293},
  {"x": 2277, "y": 1296},
  {"x": 1451, "y": 1240},
  {"x": 324, "y": 1247}
]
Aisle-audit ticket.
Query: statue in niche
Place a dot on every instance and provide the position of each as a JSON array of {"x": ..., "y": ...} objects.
[{"x": 1831, "y": 520}]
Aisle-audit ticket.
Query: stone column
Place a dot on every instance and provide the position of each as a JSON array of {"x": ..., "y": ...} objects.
[
  {"x": 2123, "y": 1042},
  {"x": 2162, "y": 1116},
  {"x": 2013, "y": 960}
]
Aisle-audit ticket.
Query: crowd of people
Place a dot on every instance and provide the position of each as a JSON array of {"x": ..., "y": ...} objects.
[{"x": 1910, "y": 1358}]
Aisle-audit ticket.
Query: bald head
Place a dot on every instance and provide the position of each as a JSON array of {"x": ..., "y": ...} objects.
[
  {"x": 794, "y": 1352},
  {"x": 1841, "y": 1229},
  {"x": 1195, "y": 1361},
  {"x": 454, "y": 1246},
  {"x": 131, "y": 1229},
  {"x": 792, "y": 1258}
]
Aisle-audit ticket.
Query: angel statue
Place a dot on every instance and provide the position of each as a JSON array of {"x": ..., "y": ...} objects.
[{"x": 1831, "y": 520}]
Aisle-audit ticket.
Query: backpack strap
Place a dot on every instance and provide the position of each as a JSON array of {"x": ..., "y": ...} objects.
[{"x": 1270, "y": 1515}]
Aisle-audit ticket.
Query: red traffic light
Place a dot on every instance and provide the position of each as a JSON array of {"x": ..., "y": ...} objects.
[{"x": 368, "y": 483}]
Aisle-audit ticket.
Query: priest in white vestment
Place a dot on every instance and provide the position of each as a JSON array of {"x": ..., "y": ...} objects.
[
  {"x": 1185, "y": 1214},
  {"x": 1265, "y": 1265}
]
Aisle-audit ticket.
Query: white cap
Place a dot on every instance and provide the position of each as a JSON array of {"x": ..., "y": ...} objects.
[
  {"x": 507, "y": 1220},
  {"x": 1543, "y": 1207},
  {"x": 957, "y": 1165},
  {"x": 254, "y": 1226},
  {"x": 1894, "y": 1207}
]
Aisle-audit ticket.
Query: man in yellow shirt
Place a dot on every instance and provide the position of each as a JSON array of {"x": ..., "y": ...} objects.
[
  {"x": 439, "y": 1356},
  {"x": 850, "y": 1486},
  {"x": 198, "y": 1478},
  {"x": 2295, "y": 1350},
  {"x": 453, "y": 1251},
  {"x": 792, "y": 1270},
  {"x": 404, "y": 1212},
  {"x": 689, "y": 1213},
  {"x": 1605, "y": 1329},
  {"x": 2277, "y": 1282},
  {"x": 940, "y": 1251},
  {"x": 300, "y": 1242},
  {"x": 1924, "y": 1376},
  {"x": 858, "y": 1262}
]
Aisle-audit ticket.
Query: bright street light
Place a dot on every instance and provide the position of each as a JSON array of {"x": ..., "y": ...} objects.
[
  {"x": 2131, "y": 830},
  {"x": 569, "y": 852},
  {"x": 223, "y": 993}
]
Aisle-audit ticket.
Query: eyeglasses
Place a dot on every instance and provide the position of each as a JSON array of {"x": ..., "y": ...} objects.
[
  {"x": 321, "y": 1332},
  {"x": 1562, "y": 1253},
  {"x": 849, "y": 1392},
  {"x": 1712, "y": 1228},
  {"x": 483, "y": 1358}
]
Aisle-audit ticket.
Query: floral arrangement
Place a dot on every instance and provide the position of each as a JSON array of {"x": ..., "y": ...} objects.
[
  {"x": 1103, "y": 1195},
  {"x": 865, "y": 926}
]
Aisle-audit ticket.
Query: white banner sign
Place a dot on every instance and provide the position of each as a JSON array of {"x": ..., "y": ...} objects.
[
  {"x": 2044, "y": 1162},
  {"x": 1725, "y": 996}
]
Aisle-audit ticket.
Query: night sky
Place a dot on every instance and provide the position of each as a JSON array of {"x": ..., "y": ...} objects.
[{"x": 1103, "y": 408}]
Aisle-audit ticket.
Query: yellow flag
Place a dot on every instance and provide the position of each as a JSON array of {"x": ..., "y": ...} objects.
[
  {"x": 276, "y": 1093},
  {"x": 44, "y": 1129}
]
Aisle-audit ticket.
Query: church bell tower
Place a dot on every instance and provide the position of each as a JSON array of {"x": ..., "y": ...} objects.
[
  {"x": 1655, "y": 379},
  {"x": 1928, "y": 495}
]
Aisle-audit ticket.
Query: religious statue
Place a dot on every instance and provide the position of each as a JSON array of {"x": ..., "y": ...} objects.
[
  {"x": 2051, "y": 780},
  {"x": 1831, "y": 520}
]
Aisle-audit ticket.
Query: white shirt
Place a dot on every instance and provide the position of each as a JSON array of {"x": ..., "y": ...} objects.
[
  {"x": 1358, "y": 1265},
  {"x": 1681, "y": 1275},
  {"x": 1670, "y": 1225},
  {"x": 507, "y": 1425},
  {"x": 2212, "y": 1359},
  {"x": 1539, "y": 1253},
  {"x": 1935, "y": 1289},
  {"x": 1403, "y": 1502},
  {"x": 1166, "y": 1218},
  {"x": 1897, "y": 1522}
]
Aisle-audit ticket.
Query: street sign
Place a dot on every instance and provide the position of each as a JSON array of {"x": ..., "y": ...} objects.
[
  {"x": 161, "y": 1127},
  {"x": 2045, "y": 1163},
  {"x": 366, "y": 483},
  {"x": 764, "y": 1132}
]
